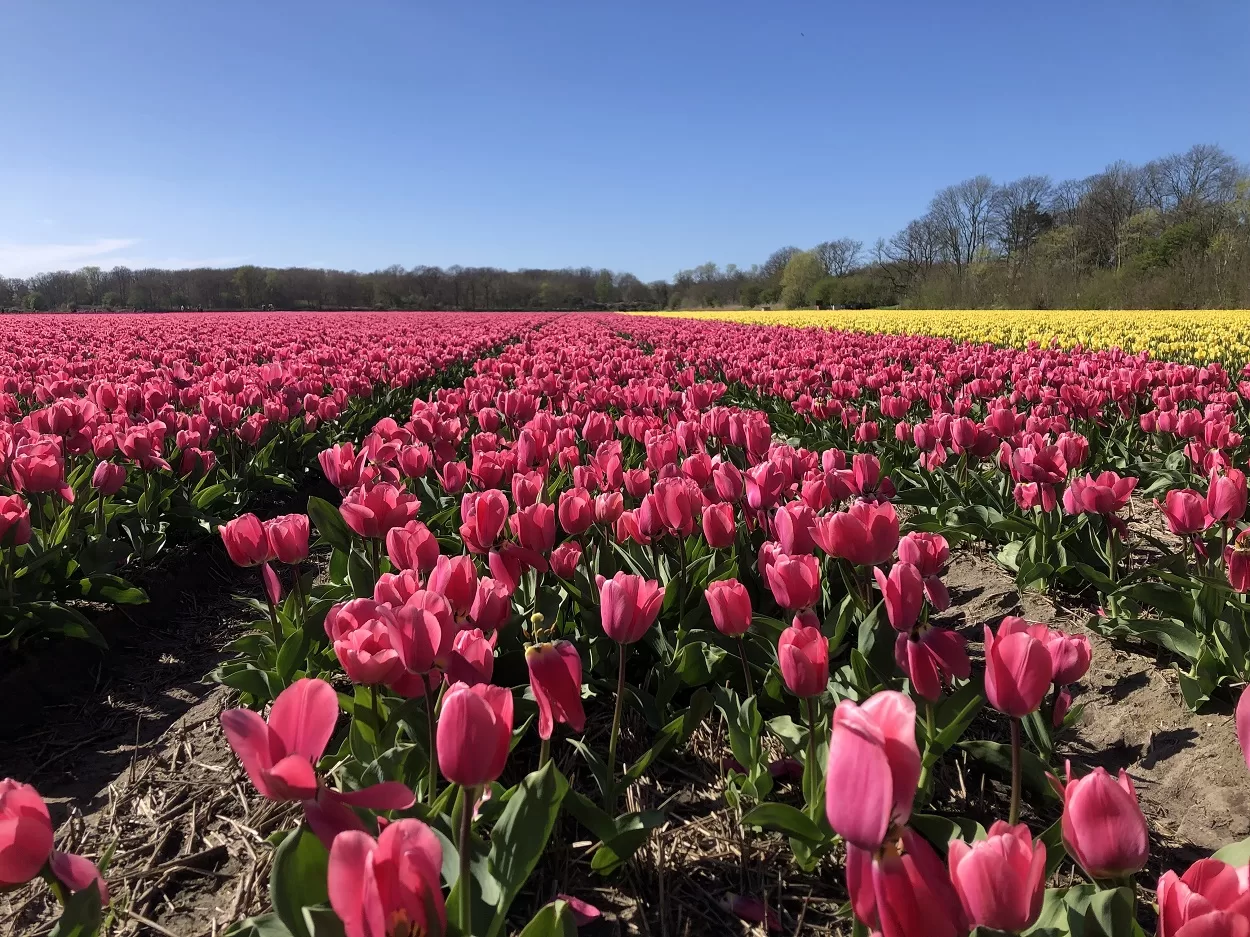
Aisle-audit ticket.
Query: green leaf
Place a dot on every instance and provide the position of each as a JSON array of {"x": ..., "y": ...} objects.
[
  {"x": 105, "y": 588},
  {"x": 81, "y": 915},
  {"x": 330, "y": 524},
  {"x": 941, "y": 830},
  {"x": 360, "y": 574},
  {"x": 1235, "y": 854},
  {"x": 298, "y": 878},
  {"x": 1057, "y": 906},
  {"x": 1169, "y": 634},
  {"x": 554, "y": 920},
  {"x": 323, "y": 922},
  {"x": 998, "y": 756},
  {"x": 632, "y": 830},
  {"x": 1056, "y": 852},
  {"x": 783, "y": 818},
  {"x": 208, "y": 495},
  {"x": 264, "y": 925},
  {"x": 521, "y": 833},
  {"x": 1111, "y": 913},
  {"x": 958, "y": 713}
]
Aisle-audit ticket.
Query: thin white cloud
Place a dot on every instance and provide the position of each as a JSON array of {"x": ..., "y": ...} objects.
[{"x": 24, "y": 260}]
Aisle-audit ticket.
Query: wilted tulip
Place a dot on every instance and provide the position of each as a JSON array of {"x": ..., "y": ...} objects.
[
  {"x": 1104, "y": 494},
  {"x": 1185, "y": 510},
  {"x": 373, "y": 512},
  {"x": 555, "y": 671},
  {"x": 865, "y": 534}
]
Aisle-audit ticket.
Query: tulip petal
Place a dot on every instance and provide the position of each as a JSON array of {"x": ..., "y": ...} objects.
[
  {"x": 293, "y": 778},
  {"x": 77, "y": 873},
  {"x": 351, "y": 861},
  {"x": 248, "y": 736},
  {"x": 303, "y": 717},
  {"x": 859, "y": 787},
  {"x": 389, "y": 795}
]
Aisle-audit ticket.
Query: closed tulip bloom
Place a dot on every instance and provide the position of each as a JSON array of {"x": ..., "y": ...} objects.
[
  {"x": 637, "y": 482},
  {"x": 412, "y": 546},
  {"x": 912, "y": 892},
  {"x": 483, "y": 515},
  {"x": 25, "y": 833},
  {"x": 1185, "y": 510},
  {"x": 245, "y": 540},
  {"x": 38, "y": 466},
  {"x": 1103, "y": 826},
  {"x": 555, "y": 671},
  {"x": 565, "y": 557},
  {"x": 608, "y": 507},
  {"x": 628, "y": 606},
  {"x": 865, "y": 534},
  {"x": 474, "y": 733},
  {"x": 1000, "y": 880},
  {"x": 728, "y": 482},
  {"x": 108, "y": 478},
  {"x": 492, "y": 605},
  {"x": 803, "y": 656},
  {"x": 342, "y": 465},
  {"x": 535, "y": 527},
  {"x": 576, "y": 511},
  {"x": 1018, "y": 672},
  {"x": 14, "y": 521},
  {"x": 763, "y": 486},
  {"x": 719, "y": 525},
  {"x": 372, "y": 513},
  {"x": 678, "y": 502},
  {"x": 873, "y": 768},
  {"x": 394, "y": 589},
  {"x": 794, "y": 581},
  {"x": 794, "y": 523},
  {"x": 453, "y": 476},
  {"x": 1212, "y": 899},
  {"x": 365, "y": 653},
  {"x": 730, "y": 605},
  {"x": 1069, "y": 656},
  {"x": 288, "y": 538},
  {"x": 455, "y": 577},
  {"x": 472, "y": 658},
  {"x": 1227, "y": 495},
  {"x": 388, "y": 886},
  {"x": 1237, "y": 562},
  {"x": 903, "y": 592}
]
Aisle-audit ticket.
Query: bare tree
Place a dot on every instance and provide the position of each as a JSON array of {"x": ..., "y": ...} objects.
[
  {"x": 1020, "y": 215},
  {"x": 1113, "y": 197},
  {"x": 839, "y": 257},
  {"x": 964, "y": 213}
]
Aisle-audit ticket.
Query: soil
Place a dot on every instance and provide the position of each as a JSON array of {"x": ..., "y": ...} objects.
[{"x": 126, "y": 748}]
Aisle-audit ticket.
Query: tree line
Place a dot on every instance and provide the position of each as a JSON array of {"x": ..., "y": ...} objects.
[{"x": 1172, "y": 233}]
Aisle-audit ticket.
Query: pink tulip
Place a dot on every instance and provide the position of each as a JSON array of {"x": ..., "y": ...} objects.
[
  {"x": 474, "y": 733},
  {"x": 483, "y": 515},
  {"x": 1103, "y": 826},
  {"x": 245, "y": 540},
  {"x": 1211, "y": 899},
  {"x": 1237, "y": 562},
  {"x": 1185, "y": 510},
  {"x": 794, "y": 581},
  {"x": 388, "y": 886},
  {"x": 719, "y": 525},
  {"x": 412, "y": 546},
  {"x": 373, "y": 512},
  {"x": 730, "y": 606},
  {"x": 280, "y": 758},
  {"x": 865, "y": 534},
  {"x": 803, "y": 656},
  {"x": 365, "y": 652},
  {"x": 929, "y": 553},
  {"x": 576, "y": 511},
  {"x": 794, "y": 523},
  {"x": 678, "y": 502},
  {"x": 555, "y": 671},
  {"x": 455, "y": 577},
  {"x": 1000, "y": 880},
  {"x": 565, "y": 559},
  {"x": 1018, "y": 671},
  {"x": 931, "y": 657},
  {"x": 342, "y": 465},
  {"x": 472, "y": 658},
  {"x": 14, "y": 521},
  {"x": 535, "y": 527},
  {"x": 903, "y": 593},
  {"x": 873, "y": 769},
  {"x": 108, "y": 478},
  {"x": 1226, "y": 496},
  {"x": 288, "y": 538},
  {"x": 628, "y": 606},
  {"x": 38, "y": 466},
  {"x": 912, "y": 893},
  {"x": 1104, "y": 494},
  {"x": 25, "y": 833},
  {"x": 492, "y": 605}
]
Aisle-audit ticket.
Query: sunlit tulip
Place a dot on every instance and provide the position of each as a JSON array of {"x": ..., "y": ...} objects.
[
  {"x": 1018, "y": 671},
  {"x": 246, "y": 541},
  {"x": 288, "y": 538},
  {"x": 1103, "y": 826},
  {"x": 555, "y": 671},
  {"x": 1000, "y": 880},
  {"x": 474, "y": 733},
  {"x": 389, "y": 886},
  {"x": 803, "y": 657},
  {"x": 730, "y": 606},
  {"x": 628, "y": 606}
]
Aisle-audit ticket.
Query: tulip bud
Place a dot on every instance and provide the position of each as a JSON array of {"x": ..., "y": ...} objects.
[
  {"x": 803, "y": 654},
  {"x": 1103, "y": 826},
  {"x": 730, "y": 606},
  {"x": 1000, "y": 880},
  {"x": 108, "y": 478},
  {"x": 474, "y": 734}
]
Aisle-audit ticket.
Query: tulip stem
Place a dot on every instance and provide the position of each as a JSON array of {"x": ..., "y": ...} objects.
[
  {"x": 375, "y": 550},
  {"x": 377, "y": 718},
  {"x": 301, "y": 600},
  {"x": 1112, "y": 600},
  {"x": 810, "y": 704},
  {"x": 465, "y": 884},
  {"x": 429, "y": 715},
  {"x": 1016, "y": 769},
  {"x": 11, "y": 571},
  {"x": 273, "y": 618},
  {"x": 609, "y": 796},
  {"x": 544, "y": 754},
  {"x": 930, "y": 731},
  {"x": 748, "y": 689}
]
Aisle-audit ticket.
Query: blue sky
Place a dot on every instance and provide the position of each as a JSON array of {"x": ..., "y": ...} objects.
[{"x": 640, "y": 136}]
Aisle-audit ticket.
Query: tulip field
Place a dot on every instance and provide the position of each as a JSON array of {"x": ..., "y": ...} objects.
[{"x": 603, "y": 624}]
